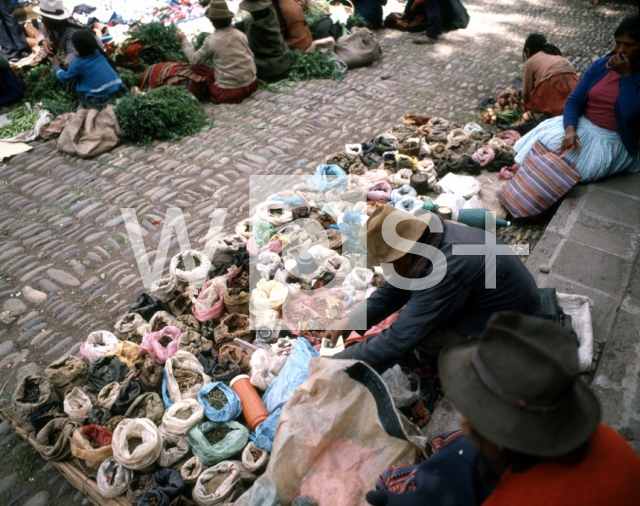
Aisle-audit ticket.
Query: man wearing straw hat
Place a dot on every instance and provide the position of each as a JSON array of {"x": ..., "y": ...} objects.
[
  {"x": 526, "y": 412},
  {"x": 457, "y": 306},
  {"x": 234, "y": 71}
]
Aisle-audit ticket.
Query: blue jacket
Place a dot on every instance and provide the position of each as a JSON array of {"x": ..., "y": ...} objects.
[
  {"x": 445, "y": 304},
  {"x": 626, "y": 108},
  {"x": 93, "y": 74}
]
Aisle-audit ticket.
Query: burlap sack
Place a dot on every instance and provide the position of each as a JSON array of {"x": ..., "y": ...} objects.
[
  {"x": 150, "y": 375},
  {"x": 191, "y": 469},
  {"x": 193, "y": 342},
  {"x": 228, "y": 247},
  {"x": 66, "y": 373},
  {"x": 236, "y": 355},
  {"x": 236, "y": 301},
  {"x": 126, "y": 327},
  {"x": 25, "y": 402},
  {"x": 147, "y": 405},
  {"x": 359, "y": 49},
  {"x": 53, "y": 441},
  {"x": 232, "y": 326},
  {"x": 90, "y": 133}
]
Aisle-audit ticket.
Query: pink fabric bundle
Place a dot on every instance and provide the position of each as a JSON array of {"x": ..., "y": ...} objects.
[
  {"x": 509, "y": 171},
  {"x": 210, "y": 302},
  {"x": 510, "y": 137},
  {"x": 484, "y": 156},
  {"x": 274, "y": 246},
  {"x": 379, "y": 192},
  {"x": 151, "y": 344}
]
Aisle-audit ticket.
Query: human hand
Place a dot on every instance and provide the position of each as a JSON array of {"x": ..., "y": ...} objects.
[
  {"x": 571, "y": 138},
  {"x": 181, "y": 36},
  {"x": 55, "y": 61},
  {"x": 620, "y": 64},
  {"x": 47, "y": 47},
  {"x": 338, "y": 329}
]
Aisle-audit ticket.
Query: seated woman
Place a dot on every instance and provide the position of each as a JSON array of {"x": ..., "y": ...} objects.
[
  {"x": 97, "y": 83},
  {"x": 602, "y": 115},
  {"x": 371, "y": 11},
  {"x": 293, "y": 24},
  {"x": 271, "y": 54},
  {"x": 534, "y": 423},
  {"x": 548, "y": 78},
  {"x": 56, "y": 29},
  {"x": 10, "y": 88},
  {"x": 234, "y": 72}
]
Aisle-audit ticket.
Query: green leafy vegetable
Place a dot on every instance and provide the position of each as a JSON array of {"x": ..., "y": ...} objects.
[
  {"x": 160, "y": 43},
  {"x": 356, "y": 20},
  {"x": 198, "y": 40},
  {"x": 44, "y": 87},
  {"x": 130, "y": 78},
  {"x": 319, "y": 10},
  {"x": 164, "y": 113},
  {"x": 313, "y": 66},
  {"x": 22, "y": 119}
]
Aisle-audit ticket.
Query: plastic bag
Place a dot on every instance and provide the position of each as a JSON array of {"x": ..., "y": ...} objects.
[
  {"x": 127, "y": 352},
  {"x": 66, "y": 373},
  {"x": 191, "y": 267},
  {"x": 143, "y": 455},
  {"x": 171, "y": 389},
  {"x": 191, "y": 470},
  {"x": 250, "y": 462},
  {"x": 210, "y": 454},
  {"x": 127, "y": 394},
  {"x": 210, "y": 302},
  {"x": 77, "y": 405},
  {"x": 188, "y": 411},
  {"x": 267, "y": 295},
  {"x": 293, "y": 373},
  {"x": 464, "y": 186},
  {"x": 170, "y": 482},
  {"x": 343, "y": 391},
  {"x": 107, "y": 396},
  {"x": 175, "y": 449},
  {"x": 328, "y": 177},
  {"x": 400, "y": 387},
  {"x": 30, "y": 385},
  {"x": 265, "y": 366},
  {"x": 113, "y": 478},
  {"x": 273, "y": 212},
  {"x": 452, "y": 201},
  {"x": 126, "y": 327},
  {"x": 267, "y": 264},
  {"x": 230, "y": 411},
  {"x": 106, "y": 370},
  {"x": 224, "y": 490},
  {"x": 359, "y": 278},
  {"x": 97, "y": 345},
  {"x": 265, "y": 433},
  {"x": 151, "y": 344},
  {"x": 82, "y": 442},
  {"x": 53, "y": 441},
  {"x": 148, "y": 405},
  {"x": 233, "y": 326}
]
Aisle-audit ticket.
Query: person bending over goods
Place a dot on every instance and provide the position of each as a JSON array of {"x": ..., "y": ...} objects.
[
  {"x": 10, "y": 88},
  {"x": 535, "y": 427},
  {"x": 457, "y": 307},
  {"x": 548, "y": 78},
  {"x": 12, "y": 38},
  {"x": 234, "y": 71},
  {"x": 272, "y": 56},
  {"x": 56, "y": 29},
  {"x": 97, "y": 83},
  {"x": 602, "y": 116}
]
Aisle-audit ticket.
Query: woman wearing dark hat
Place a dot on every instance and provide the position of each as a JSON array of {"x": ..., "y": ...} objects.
[
  {"x": 234, "y": 71},
  {"x": 524, "y": 405}
]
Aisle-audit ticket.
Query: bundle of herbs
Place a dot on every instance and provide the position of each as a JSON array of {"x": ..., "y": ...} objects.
[
  {"x": 164, "y": 113},
  {"x": 150, "y": 44},
  {"x": 130, "y": 78},
  {"x": 43, "y": 87},
  {"x": 313, "y": 66}
]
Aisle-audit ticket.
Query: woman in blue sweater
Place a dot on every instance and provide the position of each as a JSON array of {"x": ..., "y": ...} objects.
[
  {"x": 602, "y": 115},
  {"x": 97, "y": 83}
]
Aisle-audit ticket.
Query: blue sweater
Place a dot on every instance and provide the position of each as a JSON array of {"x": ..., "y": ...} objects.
[
  {"x": 626, "y": 108},
  {"x": 93, "y": 74}
]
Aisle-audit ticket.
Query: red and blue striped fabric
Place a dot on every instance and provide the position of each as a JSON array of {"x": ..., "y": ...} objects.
[{"x": 543, "y": 179}]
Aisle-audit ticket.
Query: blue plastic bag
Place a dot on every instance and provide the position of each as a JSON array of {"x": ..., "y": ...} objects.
[
  {"x": 165, "y": 396},
  {"x": 294, "y": 373},
  {"x": 328, "y": 177},
  {"x": 229, "y": 411},
  {"x": 266, "y": 432}
]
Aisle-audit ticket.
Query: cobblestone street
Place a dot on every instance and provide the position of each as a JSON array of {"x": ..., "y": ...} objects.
[{"x": 66, "y": 265}]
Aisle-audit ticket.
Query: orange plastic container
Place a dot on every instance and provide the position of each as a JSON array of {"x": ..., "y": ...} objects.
[{"x": 252, "y": 406}]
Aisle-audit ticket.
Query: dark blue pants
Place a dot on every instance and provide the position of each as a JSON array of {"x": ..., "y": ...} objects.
[
  {"x": 434, "y": 11},
  {"x": 12, "y": 38}
]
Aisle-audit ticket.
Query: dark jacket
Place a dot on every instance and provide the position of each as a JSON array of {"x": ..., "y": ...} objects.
[
  {"x": 626, "y": 108},
  {"x": 443, "y": 305},
  {"x": 371, "y": 11}
]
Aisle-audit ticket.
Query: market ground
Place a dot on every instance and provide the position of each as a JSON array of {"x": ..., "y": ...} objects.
[{"x": 61, "y": 230}]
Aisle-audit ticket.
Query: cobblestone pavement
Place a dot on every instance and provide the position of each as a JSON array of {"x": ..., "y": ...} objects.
[{"x": 66, "y": 267}]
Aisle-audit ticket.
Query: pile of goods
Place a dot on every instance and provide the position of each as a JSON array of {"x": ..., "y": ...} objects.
[{"x": 508, "y": 109}]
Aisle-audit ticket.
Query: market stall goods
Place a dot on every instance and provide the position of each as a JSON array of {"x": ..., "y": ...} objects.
[
  {"x": 32, "y": 394},
  {"x": 136, "y": 443}
]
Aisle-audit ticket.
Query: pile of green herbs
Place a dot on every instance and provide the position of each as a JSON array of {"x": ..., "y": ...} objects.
[
  {"x": 130, "y": 78},
  {"x": 313, "y": 65},
  {"x": 44, "y": 87},
  {"x": 168, "y": 113},
  {"x": 160, "y": 43},
  {"x": 22, "y": 119}
]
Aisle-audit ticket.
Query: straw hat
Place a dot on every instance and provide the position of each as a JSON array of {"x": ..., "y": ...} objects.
[
  {"x": 52, "y": 9},
  {"x": 518, "y": 385},
  {"x": 218, "y": 9}
]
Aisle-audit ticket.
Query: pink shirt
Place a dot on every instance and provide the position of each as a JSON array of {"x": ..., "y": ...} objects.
[{"x": 602, "y": 97}]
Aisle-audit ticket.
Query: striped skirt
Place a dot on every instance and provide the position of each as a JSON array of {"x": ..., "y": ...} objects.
[{"x": 602, "y": 153}]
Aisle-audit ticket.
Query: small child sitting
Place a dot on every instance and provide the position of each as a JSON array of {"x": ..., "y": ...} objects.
[{"x": 97, "y": 83}]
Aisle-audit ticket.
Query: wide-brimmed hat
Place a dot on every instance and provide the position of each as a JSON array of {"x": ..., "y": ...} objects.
[
  {"x": 380, "y": 251},
  {"x": 52, "y": 9},
  {"x": 518, "y": 386},
  {"x": 254, "y": 5},
  {"x": 218, "y": 9}
]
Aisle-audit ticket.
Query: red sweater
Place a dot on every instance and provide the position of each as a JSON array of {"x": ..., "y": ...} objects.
[{"x": 608, "y": 476}]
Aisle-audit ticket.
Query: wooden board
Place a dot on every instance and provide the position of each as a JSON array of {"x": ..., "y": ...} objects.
[{"x": 71, "y": 470}]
